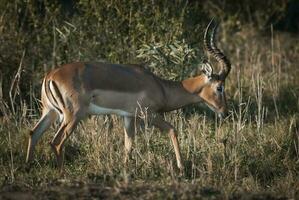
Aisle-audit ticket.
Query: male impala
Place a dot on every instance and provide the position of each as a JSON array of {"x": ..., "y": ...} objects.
[{"x": 77, "y": 90}]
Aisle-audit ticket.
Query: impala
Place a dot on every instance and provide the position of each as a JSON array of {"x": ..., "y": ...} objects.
[{"x": 74, "y": 91}]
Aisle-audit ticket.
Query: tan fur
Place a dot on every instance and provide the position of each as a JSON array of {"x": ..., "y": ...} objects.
[
  {"x": 207, "y": 91},
  {"x": 73, "y": 91},
  {"x": 208, "y": 94},
  {"x": 193, "y": 84}
]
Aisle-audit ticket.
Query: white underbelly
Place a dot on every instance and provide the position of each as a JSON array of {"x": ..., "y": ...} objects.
[{"x": 97, "y": 110}]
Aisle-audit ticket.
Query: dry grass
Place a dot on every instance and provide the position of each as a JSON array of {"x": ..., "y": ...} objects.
[{"x": 253, "y": 154}]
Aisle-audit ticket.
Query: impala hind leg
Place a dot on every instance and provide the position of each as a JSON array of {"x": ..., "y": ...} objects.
[
  {"x": 159, "y": 122},
  {"x": 129, "y": 135},
  {"x": 43, "y": 124},
  {"x": 67, "y": 127}
]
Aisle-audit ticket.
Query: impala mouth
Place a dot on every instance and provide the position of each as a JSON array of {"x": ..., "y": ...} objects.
[{"x": 221, "y": 115}]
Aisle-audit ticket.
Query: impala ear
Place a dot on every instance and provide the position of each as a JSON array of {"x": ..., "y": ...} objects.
[{"x": 207, "y": 69}]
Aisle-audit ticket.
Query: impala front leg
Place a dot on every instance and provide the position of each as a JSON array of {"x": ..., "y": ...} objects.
[
  {"x": 129, "y": 135},
  {"x": 159, "y": 122}
]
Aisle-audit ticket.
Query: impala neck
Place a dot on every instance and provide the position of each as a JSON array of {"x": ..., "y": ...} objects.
[{"x": 180, "y": 94}]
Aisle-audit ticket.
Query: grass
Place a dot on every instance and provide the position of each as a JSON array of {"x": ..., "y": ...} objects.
[{"x": 254, "y": 154}]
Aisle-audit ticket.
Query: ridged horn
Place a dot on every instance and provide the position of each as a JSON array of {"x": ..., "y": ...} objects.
[{"x": 216, "y": 52}]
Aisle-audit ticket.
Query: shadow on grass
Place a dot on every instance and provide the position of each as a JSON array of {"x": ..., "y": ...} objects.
[{"x": 68, "y": 189}]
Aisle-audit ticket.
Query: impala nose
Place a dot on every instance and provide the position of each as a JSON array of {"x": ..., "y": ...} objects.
[{"x": 222, "y": 115}]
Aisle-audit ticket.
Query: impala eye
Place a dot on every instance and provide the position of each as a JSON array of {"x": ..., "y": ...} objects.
[{"x": 220, "y": 88}]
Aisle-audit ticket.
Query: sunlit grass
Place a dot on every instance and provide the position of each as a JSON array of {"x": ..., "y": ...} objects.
[{"x": 254, "y": 150}]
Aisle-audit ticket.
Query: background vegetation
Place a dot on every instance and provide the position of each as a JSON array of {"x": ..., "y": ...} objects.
[{"x": 253, "y": 154}]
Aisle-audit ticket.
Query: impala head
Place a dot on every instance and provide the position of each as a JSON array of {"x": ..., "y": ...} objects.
[{"x": 213, "y": 90}]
